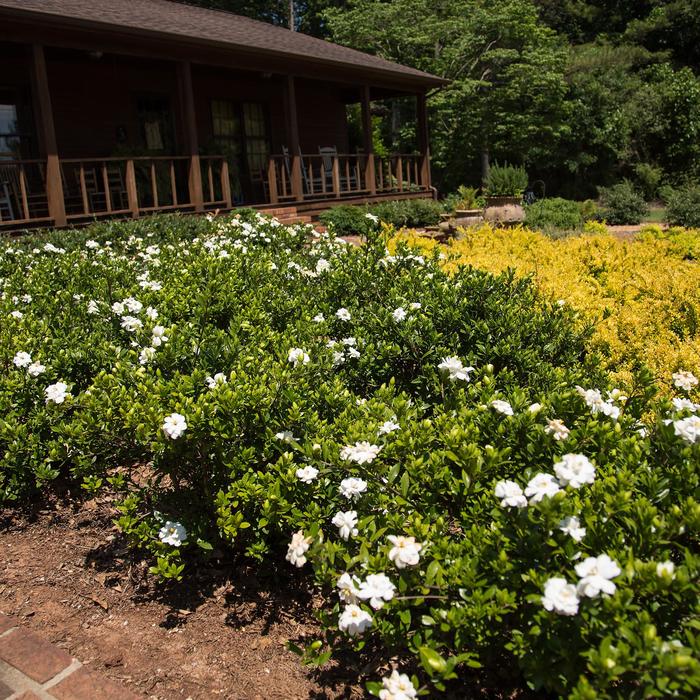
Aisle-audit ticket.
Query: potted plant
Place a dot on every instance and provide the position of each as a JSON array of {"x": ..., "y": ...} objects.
[{"x": 504, "y": 189}]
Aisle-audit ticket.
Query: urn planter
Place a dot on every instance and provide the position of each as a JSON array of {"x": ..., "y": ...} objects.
[{"x": 504, "y": 210}]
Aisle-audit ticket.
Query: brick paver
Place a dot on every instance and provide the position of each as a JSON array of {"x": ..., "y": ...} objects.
[
  {"x": 32, "y": 655},
  {"x": 31, "y": 668},
  {"x": 85, "y": 685}
]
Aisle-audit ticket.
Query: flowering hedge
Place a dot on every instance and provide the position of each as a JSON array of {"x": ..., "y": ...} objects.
[
  {"x": 642, "y": 295},
  {"x": 475, "y": 501}
]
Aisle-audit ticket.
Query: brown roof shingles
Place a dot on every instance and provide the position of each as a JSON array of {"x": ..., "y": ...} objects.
[{"x": 223, "y": 28}]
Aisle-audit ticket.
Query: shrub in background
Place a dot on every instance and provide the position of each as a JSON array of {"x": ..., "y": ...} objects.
[
  {"x": 408, "y": 212},
  {"x": 622, "y": 204},
  {"x": 553, "y": 213},
  {"x": 347, "y": 220},
  {"x": 506, "y": 181},
  {"x": 648, "y": 178},
  {"x": 683, "y": 206}
]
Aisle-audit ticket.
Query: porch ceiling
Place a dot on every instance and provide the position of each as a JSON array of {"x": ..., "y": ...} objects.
[{"x": 201, "y": 33}]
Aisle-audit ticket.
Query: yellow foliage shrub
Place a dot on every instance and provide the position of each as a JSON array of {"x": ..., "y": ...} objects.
[{"x": 642, "y": 295}]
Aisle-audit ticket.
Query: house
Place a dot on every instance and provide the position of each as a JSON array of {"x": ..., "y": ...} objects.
[{"x": 128, "y": 107}]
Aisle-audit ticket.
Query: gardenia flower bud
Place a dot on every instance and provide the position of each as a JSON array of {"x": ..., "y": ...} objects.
[
  {"x": 595, "y": 573},
  {"x": 218, "y": 379},
  {"x": 575, "y": 470},
  {"x": 354, "y": 620},
  {"x": 666, "y": 569},
  {"x": 560, "y": 597},
  {"x": 297, "y": 549},
  {"x": 174, "y": 425},
  {"x": 346, "y": 522},
  {"x": 502, "y": 407},
  {"x": 405, "y": 552},
  {"x": 307, "y": 474},
  {"x": 511, "y": 494},
  {"x": 285, "y": 436},
  {"x": 172, "y": 533}
]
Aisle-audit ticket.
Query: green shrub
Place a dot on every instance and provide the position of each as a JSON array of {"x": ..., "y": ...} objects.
[
  {"x": 683, "y": 206},
  {"x": 588, "y": 209},
  {"x": 622, "y": 204},
  {"x": 346, "y": 220},
  {"x": 554, "y": 213},
  {"x": 251, "y": 370},
  {"x": 506, "y": 181},
  {"x": 649, "y": 179},
  {"x": 408, "y": 213}
]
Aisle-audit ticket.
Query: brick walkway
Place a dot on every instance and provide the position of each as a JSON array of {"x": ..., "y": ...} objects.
[{"x": 33, "y": 669}]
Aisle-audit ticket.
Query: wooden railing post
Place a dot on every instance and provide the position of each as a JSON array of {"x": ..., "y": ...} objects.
[
  {"x": 132, "y": 194},
  {"x": 399, "y": 172},
  {"x": 190, "y": 129},
  {"x": 292, "y": 121},
  {"x": 370, "y": 176},
  {"x": 42, "y": 96},
  {"x": 272, "y": 181},
  {"x": 423, "y": 140},
  {"x": 226, "y": 184},
  {"x": 336, "y": 175}
]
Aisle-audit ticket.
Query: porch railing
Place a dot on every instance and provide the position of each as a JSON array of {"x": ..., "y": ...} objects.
[
  {"x": 131, "y": 186},
  {"x": 342, "y": 175}
]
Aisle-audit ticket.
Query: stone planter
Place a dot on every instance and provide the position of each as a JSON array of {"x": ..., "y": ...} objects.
[{"x": 504, "y": 210}]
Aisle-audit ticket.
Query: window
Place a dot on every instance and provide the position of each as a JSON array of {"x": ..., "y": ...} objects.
[
  {"x": 15, "y": 126},
  {"x": 257, "y": 145},
  {"x": 155, "y": 121}
]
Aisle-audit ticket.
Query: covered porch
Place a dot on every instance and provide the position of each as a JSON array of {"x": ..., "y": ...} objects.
[{"x": 94, "y": 126}]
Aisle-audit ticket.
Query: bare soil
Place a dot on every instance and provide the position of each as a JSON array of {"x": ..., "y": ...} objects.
[{"x": 65, "y": 572}]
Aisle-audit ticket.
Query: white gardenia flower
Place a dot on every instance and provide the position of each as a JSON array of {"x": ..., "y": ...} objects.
[
  {"x": 297, "y": 356},
  {"x": 360, "y": 453},
  {"x": 118, "y": 308},
  {"x": 16, "y": 314},
  {"x": 217, "y": 380},
  {"x": 133, "y": 305},
  {"x": 93, "y": 307},
  {"x": 575, "y": 470},
  {"x": 557, "y": 429},
  {"x": 534, "y": 408},
  {"x": 343, "y": 314},
  {"x": 151, "y": 313},
  {"x": 560, "y": 596},
  {"x": 174, "y": 425},
  {"x": 595, "y": 401},
  {"x": 571, "y": 525},
  {"x": 35, "y": 369},
  {"x": 92, "y": 244},
  {"x": 685, "y": 405},
  {"x": 399, "y": 314},
  {"x": 455, "y": 370},
  {"x": 297, "y": 549},
  {"x": 352, "y": 487},
  {"x": 322, "y": 266},
  {"x": 57, "y": 392},
  {"x": 318, "y": 318},
  {"x": 131, "y": 323},
  {"x": 502, "y": 407},
  {"x": 415, "y": 306},
  {"x": 354, "y": 620},
  {"x": 147, "y": 355},
  {"x": 688, "y": 429},
  {"x": 22, "y": 359},
  {"x": 541, "y": 486},
  {"x": 397, "y": 686},
  {"x": 346, "y": 522},
  {"x": 285, "y": 436},
  {"x": 377, "y": 589},
  {"x": 511, "y": 494},
  {"x": 348, "y": 588},
  {"x": 159, "y": 336},
  {"x": 685, "y": 380},
  {"x": 405, "y": 551},
  {"x": 173, "y": 533},
  {"x": 387, "y": 427},
  {"x": 596, "y": 574},
  {"x": 666, "y": 569},
  {"x": 306, "y": 474},
  {"x": 372, "y": 217}
]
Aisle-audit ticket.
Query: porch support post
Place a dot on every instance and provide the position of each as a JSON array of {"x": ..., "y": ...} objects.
[
  {"x": 42, "y": 96},
  {"x": 189, "y": 123},
  {"x": 292, "y": 121},
  {"x": 423, "y": 140},
  {"x": 370, "y": 178}
]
